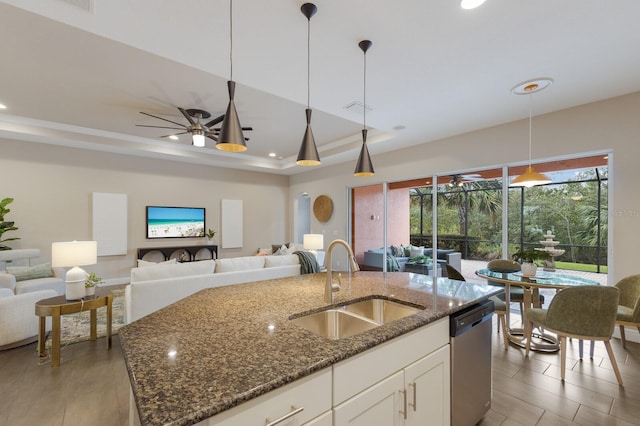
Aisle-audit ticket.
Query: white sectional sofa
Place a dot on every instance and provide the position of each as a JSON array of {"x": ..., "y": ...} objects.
[{"x": 154, "y": 287}]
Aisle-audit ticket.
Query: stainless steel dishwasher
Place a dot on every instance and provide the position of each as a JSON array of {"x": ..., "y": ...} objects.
[{"x": 470, "y": 331}]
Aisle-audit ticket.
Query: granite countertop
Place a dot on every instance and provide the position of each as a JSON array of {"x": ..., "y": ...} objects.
[{"x": 223, "y": 346}]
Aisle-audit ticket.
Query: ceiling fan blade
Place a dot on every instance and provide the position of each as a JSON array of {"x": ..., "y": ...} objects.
[
  {"x": 210, "y": 136},
  {"x": 247, "y": 129},
  {"x": 160, "y": 127},
  {"x": 187, "y": 116},
  {"x": 215, "y": 121},
  {"x": 174, "y": 134},
  {"x": 160, "y": 118}
]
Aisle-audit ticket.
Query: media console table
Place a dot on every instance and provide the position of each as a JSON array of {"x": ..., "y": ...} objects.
[{"x": 189, "y": 252}]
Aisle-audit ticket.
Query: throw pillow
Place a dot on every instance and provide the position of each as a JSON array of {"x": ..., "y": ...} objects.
[
  {"x": 145, "y": 263},
  {"x": 416, "y": 251},
  {"x": 276, "y": 247},
  {"x": 23, "y": 273},
  {"x": 407, "y": 251},
  {"x": 399, "y": 252}
]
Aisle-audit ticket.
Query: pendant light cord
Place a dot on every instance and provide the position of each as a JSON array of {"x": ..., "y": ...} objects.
[
  {"x": 364, "y": 94},
  {"x": 308, "y": 62},
  {"x": 530, "y": 120},
  {"x": 231, "y": 37}
]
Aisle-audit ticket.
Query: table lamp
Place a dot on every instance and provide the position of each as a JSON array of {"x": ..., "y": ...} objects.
[
  {"x": 74, "y": 254},
  {"x": 313, "y": 242}
]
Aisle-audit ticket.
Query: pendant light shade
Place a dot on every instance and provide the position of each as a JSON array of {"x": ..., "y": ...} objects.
[
  {"x": 231, "y": 138},
  {"x": 530, "y": 177},
  {"x": 308, "y": 154},
  {"x": 364, "y": 166}
]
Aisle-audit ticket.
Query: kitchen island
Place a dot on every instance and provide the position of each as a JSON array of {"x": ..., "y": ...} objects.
[{"x": 209, "y": 353}]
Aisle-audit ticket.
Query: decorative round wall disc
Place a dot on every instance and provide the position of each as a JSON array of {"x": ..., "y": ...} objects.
[{"x": 323, "y": 208}]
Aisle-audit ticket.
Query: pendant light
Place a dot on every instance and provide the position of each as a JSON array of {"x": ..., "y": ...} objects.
[
  {"x": 308, "y": 154},
  {"x": 231, "y": 138},
  {"x": 364, "y": 167},
  {"x": 531, "y": 177}
]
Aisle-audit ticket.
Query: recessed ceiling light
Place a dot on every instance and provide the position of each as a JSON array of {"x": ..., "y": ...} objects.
[
  {"x": 272, "y": 154},
  {"x": 174, "y": 137},
  {"x": 606, "y": 157},
  {"x": 471, "y": 4},
  {"x": 2, "y": 106}
]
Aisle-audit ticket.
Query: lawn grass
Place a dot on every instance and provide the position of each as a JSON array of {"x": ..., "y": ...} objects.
[{"x": 581, "y": 267}]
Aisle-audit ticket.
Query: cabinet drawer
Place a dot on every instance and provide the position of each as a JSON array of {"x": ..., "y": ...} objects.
[
  {"x": 357, "y": 373},
  {"x": 312, "y": 393}
]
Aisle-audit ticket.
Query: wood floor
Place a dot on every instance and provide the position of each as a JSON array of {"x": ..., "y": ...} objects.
[{"x": 91, "y": 387}]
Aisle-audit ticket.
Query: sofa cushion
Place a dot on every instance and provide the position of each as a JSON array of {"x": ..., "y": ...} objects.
[
  {"x": 173, "y": 270},
  {"x": 416, "y": 251},
  {"x": 273, "y": 260},
  {"x": 5, "y": 292},
  {"x": 145, "y": 263},
  {"x": 23, "y": 273},
  {"x": 240, "y": 263}
]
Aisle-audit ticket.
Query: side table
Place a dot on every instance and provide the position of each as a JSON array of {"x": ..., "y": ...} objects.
[{"x": 57, "y": 306}]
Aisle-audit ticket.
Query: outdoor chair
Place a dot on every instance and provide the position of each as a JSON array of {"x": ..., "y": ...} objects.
[
  {"x": 500, "y": 308},
  {"x": 582, "y": 312}
]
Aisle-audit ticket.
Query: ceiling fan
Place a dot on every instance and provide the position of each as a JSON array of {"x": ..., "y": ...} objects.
[
  {"x": 197, "y": 129},
  {"x": 459, "y": 179}
]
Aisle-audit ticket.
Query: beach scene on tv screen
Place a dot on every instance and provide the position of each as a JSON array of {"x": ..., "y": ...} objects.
[{"x": 175, "y": 222}]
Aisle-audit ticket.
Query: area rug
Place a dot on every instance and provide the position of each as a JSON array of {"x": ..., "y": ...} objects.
[{"x": 75, "y": 327}]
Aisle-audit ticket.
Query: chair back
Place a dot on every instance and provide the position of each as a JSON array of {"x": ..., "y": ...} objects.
[
  {"x": 630, "y": 295},
  {"x": 584, "y": 311},
  {"x": 453, "y": 273},
  {"x": 503, "y": 265}
]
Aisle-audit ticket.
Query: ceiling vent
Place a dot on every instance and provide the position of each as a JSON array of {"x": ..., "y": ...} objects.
[
  {"x": 357, "y": 107},
  {"x": 82, "y": 4}
]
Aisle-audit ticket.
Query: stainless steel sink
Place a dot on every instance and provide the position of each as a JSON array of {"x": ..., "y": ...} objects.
[
  {"x": 349, "y": 320},
  {"x": 381, "y": 310},
  {"x": 334, "y": 324}
]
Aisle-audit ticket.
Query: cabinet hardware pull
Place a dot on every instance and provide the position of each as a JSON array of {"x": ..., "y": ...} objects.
[
  {"x": 404, "y": 395},
  {"x": 415, "y": 398},
  {"x": 293, "y": 412}
]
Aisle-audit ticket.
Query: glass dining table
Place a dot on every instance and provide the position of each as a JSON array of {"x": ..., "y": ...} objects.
[{"x": 541, "y": 341}]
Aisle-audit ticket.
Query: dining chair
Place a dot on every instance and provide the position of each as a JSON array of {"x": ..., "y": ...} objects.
[
  {"x": 582, "y": 312},
  {"x": 500, "y": 308},
  {"x": 629, "y": 305}
]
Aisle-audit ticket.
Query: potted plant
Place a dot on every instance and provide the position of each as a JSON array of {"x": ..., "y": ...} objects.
[
  {"x": 90, "y": 284},
  {"x": 6, "y": 226},
  {"x": 210, "y": 234},
  {"x": 529, "y": 257}
]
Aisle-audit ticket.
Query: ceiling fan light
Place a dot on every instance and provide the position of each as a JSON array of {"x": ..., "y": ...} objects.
[
  {"x": 308, "y": 154},
  {"x": 197, "y": 138},
  {"x": 231, "y": 138},
  {"x": 530, "y": 178}
]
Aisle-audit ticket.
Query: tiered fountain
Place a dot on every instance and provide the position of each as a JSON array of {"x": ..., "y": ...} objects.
[{"x": 549, "y": 246}]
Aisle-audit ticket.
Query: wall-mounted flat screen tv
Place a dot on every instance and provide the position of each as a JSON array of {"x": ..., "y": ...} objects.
[{"x": 175, "y": 222}]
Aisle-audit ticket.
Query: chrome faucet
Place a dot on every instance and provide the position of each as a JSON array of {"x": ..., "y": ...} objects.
[{"x": 330, "y": 287}]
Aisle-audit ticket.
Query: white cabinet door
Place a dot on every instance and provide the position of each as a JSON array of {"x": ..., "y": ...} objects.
[
  {"x": 324, "y": 420},
  {"x": 428, "y": 389},
  {"x": 380, "y": 405}
]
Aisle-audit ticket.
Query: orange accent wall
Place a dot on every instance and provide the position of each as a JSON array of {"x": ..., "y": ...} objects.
[{"x": 368, "y": 232}]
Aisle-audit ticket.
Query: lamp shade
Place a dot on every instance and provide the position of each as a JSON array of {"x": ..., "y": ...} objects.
[
  {"x": 74, "y": 253},
  {"x": 530, "y": 178},
  {"x": 313, "y": 241},
  {"x": 231, "y": 138}
]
